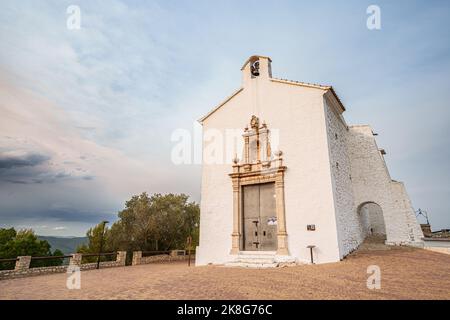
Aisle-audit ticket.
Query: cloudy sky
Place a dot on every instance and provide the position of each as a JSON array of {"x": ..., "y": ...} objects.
[{"x": 86, "y": 115}]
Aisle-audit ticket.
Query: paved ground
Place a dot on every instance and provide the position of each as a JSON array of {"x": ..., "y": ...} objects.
[{"x": 406, "y": 273}]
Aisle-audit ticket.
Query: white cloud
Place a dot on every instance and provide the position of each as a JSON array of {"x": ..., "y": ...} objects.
[{"x": 59, "y": 228}]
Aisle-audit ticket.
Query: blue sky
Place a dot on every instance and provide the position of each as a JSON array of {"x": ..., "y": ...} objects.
[{"x": 86, "y": 115}]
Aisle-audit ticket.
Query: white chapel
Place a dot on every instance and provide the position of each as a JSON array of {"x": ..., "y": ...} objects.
[{"x": 303, "y": 185}]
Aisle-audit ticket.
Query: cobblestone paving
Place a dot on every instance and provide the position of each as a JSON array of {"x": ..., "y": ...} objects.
[{"x": 406, "y": 273}]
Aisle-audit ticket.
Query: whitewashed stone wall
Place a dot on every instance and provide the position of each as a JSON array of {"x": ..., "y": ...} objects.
[
  {"x": 409, "y": 228},
  {"x": 347, "y": 220},
  {"x": 372, "y": 183}
]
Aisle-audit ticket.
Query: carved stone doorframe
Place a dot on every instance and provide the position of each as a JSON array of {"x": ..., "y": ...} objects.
[{"x": 258, "y": 171}]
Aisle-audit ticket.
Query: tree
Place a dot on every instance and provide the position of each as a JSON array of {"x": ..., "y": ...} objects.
[
  {"x": 57, "y": 261},
  {"x": 176, "y": 219},
  {"x": 136, "y": 223},
  {"x": 95, "y": 236},
  {"x": 25, "y": 243},
  {"x": 147, "y": 223},
  {"x": 6, "y": 235}
]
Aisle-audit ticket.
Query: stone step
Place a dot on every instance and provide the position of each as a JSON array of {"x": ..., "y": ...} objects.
[
  {"x": 251, "y": 265},
  {"x": 255, "y": 256},
  {"x": 260, "y": 253},
  {"x": 258, "y": 260}
]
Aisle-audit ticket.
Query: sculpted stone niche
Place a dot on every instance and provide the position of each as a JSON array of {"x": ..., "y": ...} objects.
[{"x": 258, "y": 166}]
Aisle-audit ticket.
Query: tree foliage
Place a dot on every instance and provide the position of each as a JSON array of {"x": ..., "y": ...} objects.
[
  {"x": 96, "y": 236},
  {"x": 25, "y": 243},
  {"x": 147, "y": 223}
]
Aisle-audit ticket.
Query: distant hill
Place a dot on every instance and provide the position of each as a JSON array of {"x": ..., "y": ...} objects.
[{"x": 66, "y": 244}]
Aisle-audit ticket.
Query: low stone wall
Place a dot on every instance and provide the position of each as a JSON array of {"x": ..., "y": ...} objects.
[
  {"x": 441, "y": 245},
  {"x": 22, "y": 268},
  {"x": 173, "y": 256},
  {"x": 103, "y": 264},
  {"x": 440, "y": 250},
  {"x": 9, "y": 274}
]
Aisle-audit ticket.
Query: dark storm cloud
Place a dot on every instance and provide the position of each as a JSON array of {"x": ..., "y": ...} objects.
[
  {"x": 27, "y": 160},
  {"x": 66, "y": 215},
  {"x": 39, "y": 177},
  {"x": 35, "y": 168},
  {"x": 24, "y": 168},
  {"x": 15, "y": 181},
  {"x": 77, "y": 216}
]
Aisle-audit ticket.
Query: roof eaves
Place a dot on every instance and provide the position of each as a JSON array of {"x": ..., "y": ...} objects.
[
  {"x": 311, "y": 85},
  {"x": 303, "y": 84},
  {"x": 337, "y": 98}
]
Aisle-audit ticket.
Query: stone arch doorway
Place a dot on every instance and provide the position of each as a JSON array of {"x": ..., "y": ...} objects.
[{"x": 371, "y": 219}]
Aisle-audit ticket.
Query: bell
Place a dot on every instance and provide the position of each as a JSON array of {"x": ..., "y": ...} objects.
[{"x": 255, "y": 68}]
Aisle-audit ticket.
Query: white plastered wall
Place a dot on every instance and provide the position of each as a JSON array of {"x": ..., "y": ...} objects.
[{"x": 298, "y": 114}]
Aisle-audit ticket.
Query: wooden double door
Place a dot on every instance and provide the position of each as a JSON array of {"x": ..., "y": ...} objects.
[{"x": 259, "y": 217}]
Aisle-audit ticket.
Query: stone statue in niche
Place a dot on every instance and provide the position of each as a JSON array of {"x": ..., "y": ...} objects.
[
  {"x": 254, "y": 122},
  {"x": 256, "y": 143}
]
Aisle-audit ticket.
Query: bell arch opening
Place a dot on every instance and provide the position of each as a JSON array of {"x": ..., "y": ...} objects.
[{"x": 371, "y": 219}]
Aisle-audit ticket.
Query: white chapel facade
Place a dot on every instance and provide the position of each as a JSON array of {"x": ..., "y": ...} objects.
[{"x": 304, "y": 178}]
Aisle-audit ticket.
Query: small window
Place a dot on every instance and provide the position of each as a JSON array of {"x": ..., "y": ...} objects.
[{"x": 336, "y": 135}]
